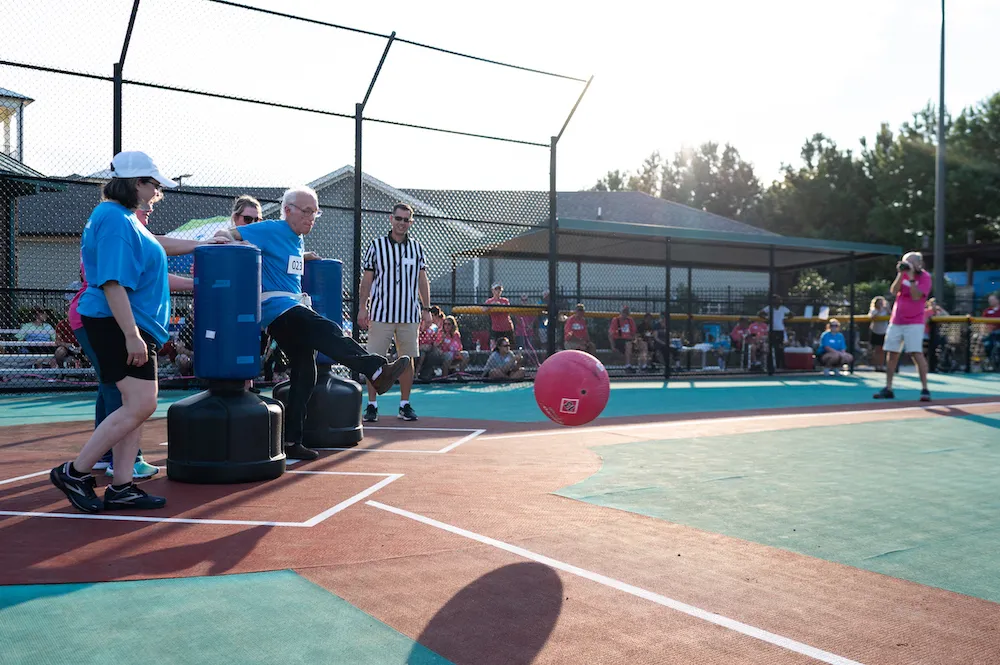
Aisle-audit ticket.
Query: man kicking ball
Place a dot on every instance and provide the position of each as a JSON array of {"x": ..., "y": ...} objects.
[{"x": 285, "y": 314}]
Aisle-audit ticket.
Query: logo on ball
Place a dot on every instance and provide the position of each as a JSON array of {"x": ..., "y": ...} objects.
[{"x": 569, "y": 405}]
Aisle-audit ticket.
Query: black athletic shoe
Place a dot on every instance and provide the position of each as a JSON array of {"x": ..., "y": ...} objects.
[
  {"x": 390, "y": 373},
  {"x": 131, "y": 497},
  {"x": 79, "y": 491},
  {"x": 298, "y": 451},
  {"x": 925, "y": 395},
  {"x": 371, "y": 414},
  {"x": 885, "y": 393},
  {"x": 407, "y": 413}
]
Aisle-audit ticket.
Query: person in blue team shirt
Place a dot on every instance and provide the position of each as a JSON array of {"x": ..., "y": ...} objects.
[
  {"x": 833, "y": 349},
  {"x": 286, "y": 316},
  {"x": 125, "y": 311}
]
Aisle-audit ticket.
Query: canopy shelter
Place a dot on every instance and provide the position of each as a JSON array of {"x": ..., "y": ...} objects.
[
  {"x": 592, "y": 241},
  {"x": 625, "y": 244}
]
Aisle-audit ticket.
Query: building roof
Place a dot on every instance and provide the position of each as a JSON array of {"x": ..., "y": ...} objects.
[
  {"x": 10, "y": 166},
  {"x": 4, "y": 92}
]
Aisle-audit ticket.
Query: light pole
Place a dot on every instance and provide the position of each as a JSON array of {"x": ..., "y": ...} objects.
[
  {"x": 180, "y": 179},
  {"x": 939, "y": 182}
]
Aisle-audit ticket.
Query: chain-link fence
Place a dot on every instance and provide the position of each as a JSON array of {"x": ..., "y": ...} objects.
[{"x": 233, "y": 100}]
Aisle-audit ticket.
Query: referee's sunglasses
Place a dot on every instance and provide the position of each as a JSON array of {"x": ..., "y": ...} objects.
[{"x": 400, "y": 218}]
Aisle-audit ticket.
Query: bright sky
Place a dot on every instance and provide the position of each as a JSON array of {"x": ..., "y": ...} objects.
[{"x": 762, "y": 75}]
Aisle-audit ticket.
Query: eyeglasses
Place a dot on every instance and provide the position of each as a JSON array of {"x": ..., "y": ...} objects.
[
  {"x": 250, "y": 219},
  {"x": 150, "y": 181},
  {"x": 308, "y": 211},
  {"x": 400, "y": 218}
]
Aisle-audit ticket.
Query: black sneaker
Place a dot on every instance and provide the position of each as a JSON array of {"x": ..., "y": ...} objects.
[
  {"x": 407, "y": 413},
  {"x": 390, "y": 373},
  {"x": 298, "y": 451},
  {"x": 371, "y": 414},
  {"x": 925, "y": 395},
  {"x": 885, "y": 393},
  {"x": 131, "y": 497},
  {"x": 79, "y": 491}
]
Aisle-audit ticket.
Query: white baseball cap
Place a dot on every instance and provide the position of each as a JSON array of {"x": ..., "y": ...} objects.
[{"x": 135, "y": 164}]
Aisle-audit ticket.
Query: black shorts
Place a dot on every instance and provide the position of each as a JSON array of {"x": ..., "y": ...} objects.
[
  {"x": 620, "y": 344},
  {"x": 108, "y": 342},
  {"x": 876, "y": 339}
]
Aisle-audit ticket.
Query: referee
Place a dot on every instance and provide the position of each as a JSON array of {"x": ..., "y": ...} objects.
[{"x": 395, "y": 276}]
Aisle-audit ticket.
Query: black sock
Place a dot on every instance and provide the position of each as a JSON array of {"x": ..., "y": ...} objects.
[
  {"x": 78, "y": 475},
  {"x": 119, "y": 488}
]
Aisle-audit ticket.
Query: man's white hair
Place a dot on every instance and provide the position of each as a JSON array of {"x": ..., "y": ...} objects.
[
  {"x": 914, "y": 255},
  {"x": 293, "y": 192}
]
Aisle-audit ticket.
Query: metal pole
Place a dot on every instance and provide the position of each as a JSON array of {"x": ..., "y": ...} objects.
[
  {"x": 356, "y": 267},
  {"x": 454, "y": 280},
  {"x": 579, "y": 281},
  {"x": 850, "y": 335},
  {"x": 968, "y": 344},
  {"x": 553, "y": 249},
  {"x": 117, "y": 94},
  {"x": 690, "y": 319},
  {"x": 667, "y": 352},
  {"x": 20, "y": 132},
  {"x": 117, "y": 110},
  {"x": 770, "y": 308},
  {"x": 939, "y": 180}
]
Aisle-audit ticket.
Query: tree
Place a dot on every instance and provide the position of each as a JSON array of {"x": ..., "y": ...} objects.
[
  {"x": 723, "y": 184},
  {"x": 614, "y": 181},
  {"x": 647, "y": 180},
  {"x": 829, "y": 196}
]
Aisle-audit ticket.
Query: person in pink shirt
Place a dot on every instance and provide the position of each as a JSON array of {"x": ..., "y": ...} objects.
[
  {"x": 449, "y": 342},
  {"x": 500, "y": 323},
  {"x": 906, "y": 323}
]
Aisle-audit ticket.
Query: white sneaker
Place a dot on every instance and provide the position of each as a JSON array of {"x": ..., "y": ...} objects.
[{"x": 836, "y": 372}]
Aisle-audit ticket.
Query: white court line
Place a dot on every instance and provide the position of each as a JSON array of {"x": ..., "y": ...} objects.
[
  {"x": 473, "y": 433},
  {"x": 709, "y": 419},
  {"x": 30, "y": 475},
  {"x": 311, "y": 522},
  {"x": 698, "y": 613},
  {"x": 353, "y": 500},
  {"x": 425, "y": 429}
]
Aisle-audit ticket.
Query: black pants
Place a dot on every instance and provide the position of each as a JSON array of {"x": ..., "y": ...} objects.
[
  {"x": 302, "y": 332},
  {"x": 777, "y": 348}
]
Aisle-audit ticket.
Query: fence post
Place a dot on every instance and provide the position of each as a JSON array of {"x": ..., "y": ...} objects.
[
  {"x": 771, "y": 357},
  {"x": 553, "y": 251},
  {"x": 356, "y": 262},
  {"x": 968, "y": 344},
  {"x": 850, "y": 343},
  {"x": 690, "y": 318},
  {"x": 454, "y": 280},
  {"x": 668, "y": 351},
  {"x": 932, "y": 347}
]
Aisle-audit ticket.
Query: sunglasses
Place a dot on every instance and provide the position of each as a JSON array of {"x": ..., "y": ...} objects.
[
  {"x": 150, "y": 181},
  {"x": 400, "y": 218},
  {"x": 250, "y": 219}
]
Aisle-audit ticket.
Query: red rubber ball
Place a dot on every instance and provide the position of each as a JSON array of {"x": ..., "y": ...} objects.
[{"x": 572, "y": 388}]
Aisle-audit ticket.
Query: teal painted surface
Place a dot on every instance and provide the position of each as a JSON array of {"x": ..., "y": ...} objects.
[{"x": 253, "y": 619}]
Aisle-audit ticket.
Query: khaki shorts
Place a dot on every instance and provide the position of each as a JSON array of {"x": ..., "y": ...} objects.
[
  {"x": 908, "y": 338},
  {"x": 380, "y": 335}
]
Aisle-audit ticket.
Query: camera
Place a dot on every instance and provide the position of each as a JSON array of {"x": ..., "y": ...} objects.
[{"x": 903, "y": 266}]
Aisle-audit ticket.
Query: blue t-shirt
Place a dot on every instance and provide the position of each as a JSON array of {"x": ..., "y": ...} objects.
[
  {"x": 834, "y": 340},
  {"x": 282, "y": 264},
  {"x": 116, "y": 247}
]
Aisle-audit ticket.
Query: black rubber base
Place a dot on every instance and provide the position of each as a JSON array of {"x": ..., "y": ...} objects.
[{"x": 214, "y": 473}]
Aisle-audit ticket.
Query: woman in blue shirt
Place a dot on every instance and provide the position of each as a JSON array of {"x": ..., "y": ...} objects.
[
  {"x": 125, "y": 312},
  {"x": 833, "y": 349}
]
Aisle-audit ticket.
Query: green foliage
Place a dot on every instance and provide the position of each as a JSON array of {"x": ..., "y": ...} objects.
[{"x": 813, "y": 287}]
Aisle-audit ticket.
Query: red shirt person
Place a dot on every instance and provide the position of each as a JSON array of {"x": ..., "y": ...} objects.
[
  {"x": 500, "y": 323},
  {"x": 575, "y": 335},
  {"x": 621, "y": 334},
  {"x": 993, "y": 311}
]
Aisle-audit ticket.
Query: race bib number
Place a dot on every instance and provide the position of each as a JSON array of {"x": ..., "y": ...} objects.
[
  {"x": 296, "y": 264},
  {"x": 626, "y": 328}
]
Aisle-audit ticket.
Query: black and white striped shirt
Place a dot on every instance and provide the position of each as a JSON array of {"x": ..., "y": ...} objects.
[{"x": 397, "y": 265}]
